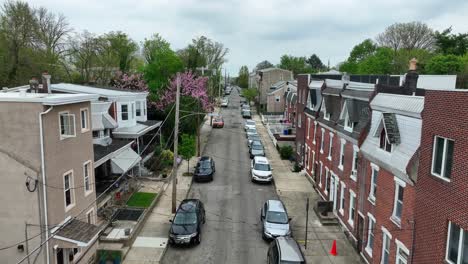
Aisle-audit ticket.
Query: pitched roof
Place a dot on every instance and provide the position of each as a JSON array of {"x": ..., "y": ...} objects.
[
  {"x": 46, "y": 99},
  {"x": 399, "y": 104},
  {"x": 112, "y": 93}
]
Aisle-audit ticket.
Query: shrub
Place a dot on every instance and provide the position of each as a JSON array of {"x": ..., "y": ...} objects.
[
  {"x": 297, "y": 168},
  {"x": 167, "y": 158},
  {"x": 286, "y": 152}
]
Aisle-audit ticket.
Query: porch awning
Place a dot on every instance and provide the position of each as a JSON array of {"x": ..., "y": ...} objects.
[
  {"x": 78, "y": 232},
  {"x": 124, "y": 161},
  {"x": 141, "y": 128}
]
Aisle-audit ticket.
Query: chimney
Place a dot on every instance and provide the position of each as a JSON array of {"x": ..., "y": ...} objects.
[
  {"x": 33, "y": 84},
  {"x": 46, "y": 82},
  {"x": 411, "y": 78}
]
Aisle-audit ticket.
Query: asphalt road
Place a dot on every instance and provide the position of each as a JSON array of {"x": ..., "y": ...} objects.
[{"x": 232, "y": 233}]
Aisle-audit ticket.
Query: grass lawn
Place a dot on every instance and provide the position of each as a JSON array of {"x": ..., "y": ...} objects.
[{"x": 141, "y": 199}]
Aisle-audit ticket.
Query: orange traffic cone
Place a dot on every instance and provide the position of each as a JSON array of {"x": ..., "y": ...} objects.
[{"x": 333, "y": 249}]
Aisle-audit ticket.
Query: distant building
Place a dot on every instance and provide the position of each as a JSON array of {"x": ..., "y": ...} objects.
[
  {"x": 275, "y": 96},
  {"x": 266, "y": 78}
]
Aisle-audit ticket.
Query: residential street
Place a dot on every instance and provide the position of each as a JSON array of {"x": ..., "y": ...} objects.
[{"x": 232, "y": 233}]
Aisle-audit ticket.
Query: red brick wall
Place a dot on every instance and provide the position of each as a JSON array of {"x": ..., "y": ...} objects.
[
  {"x": 438, "y": 202},
  {"x": 323, "y": 157},
  {"x": 302, "y": 85},
  {"x": 382, "y": 211}
]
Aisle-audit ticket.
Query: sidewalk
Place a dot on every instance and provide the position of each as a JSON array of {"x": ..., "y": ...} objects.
[
  {"x": 294, "y": 189},
  {"x": 151, "y": 243}
]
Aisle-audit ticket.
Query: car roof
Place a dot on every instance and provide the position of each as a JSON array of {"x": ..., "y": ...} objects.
[
  {"x": 276, "y": 205},
  {"x": 188, "y": 205},
  {"x": 250, "y": 121},
  {"x": 259, "y": 159},
  {"x": 205, "y": 158},
  {"x": 289, "y": 249},
  {"x": 256, "y": 142}
]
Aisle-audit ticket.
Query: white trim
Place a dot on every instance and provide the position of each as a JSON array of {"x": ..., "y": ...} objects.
[
  {"x": 322, "y": 140},
  {"x": 93, "y": 219},
  {"x": 87, "y": 126},
  {"x": 327, "y": 172},
  {"x": 400, "y": 245},
  {"x": 394, "y": 218},
  {"x": 62, "y": 137},
  {"x": 308, "y": 127},
  {"x": 342, "y": 152},
  {"x": 315, "y": 132},
  {"x": 91, "y": 169},
  {"x": 70, "y": 188},
  {"x": 461, "y": 238},
  {"x": 321, "y": 174},
  {"x": 367, "y": 248},
  {"x": 352, "y": 197},
  {"x": 444, "y": 158},
  {"x": 385, "y": 230},
  {"x": 330, "y": 146},
  {"x": 384, "y": 242},
  {"x": 342, "y": 197},
  {"x": 354, "y": 164},
  {"x": 372, "y": 195}
]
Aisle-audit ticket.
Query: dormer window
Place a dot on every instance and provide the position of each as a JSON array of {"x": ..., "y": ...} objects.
[
  {"x": 384, "y": 143},
  {"x": 326, "y": 114},
  {"x": 388, "y": 132},
  {"x": 349, "y": 125}
]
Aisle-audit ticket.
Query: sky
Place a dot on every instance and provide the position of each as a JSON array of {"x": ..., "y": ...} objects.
[{"x": 259, "y": 30}]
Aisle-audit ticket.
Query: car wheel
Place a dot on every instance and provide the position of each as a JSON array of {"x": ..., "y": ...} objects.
[
  {"x": 198, "y": 241},
  {"x": 263, "y": 235}
]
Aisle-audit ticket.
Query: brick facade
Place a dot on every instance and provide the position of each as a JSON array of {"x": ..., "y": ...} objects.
[
  {"x": 438, "y": 201},
  {"x": 302, "y": 92}
]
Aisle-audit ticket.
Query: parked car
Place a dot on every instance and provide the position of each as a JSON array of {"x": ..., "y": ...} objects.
[
  {"x": 251, "y": 131},
  {"x": 260, "y": 170},
  {"x": 285, "y": 250},
  {"x": 218, "y": 122},
  {"x": 252, "y": 138},
  {"x": 204, "y": 170},
  {"x": 249, "y": 124},
  {"x": 275, "y": 220},
  {"x": 224, "y": 102},
  {"x": 256, "y": 149},
  {"x": 187, "y": 223},
  {"x": 246, "y": 114}
]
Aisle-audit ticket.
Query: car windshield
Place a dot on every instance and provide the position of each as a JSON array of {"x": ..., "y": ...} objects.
[
  {"x": 218, "y": 120},
  {"x": 257, "y": 147},
  {"x": 262, "y": 167},
  {"x": 250, "y": 130},
  {"x": 205, "y": 165},
  {"x": 276, "y": 217},
  {"x": 185, "y": 218},
  {"x": 250, "y": 122}
]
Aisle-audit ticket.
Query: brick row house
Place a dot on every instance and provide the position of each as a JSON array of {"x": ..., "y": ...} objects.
[{"x": 382, "y": 156}]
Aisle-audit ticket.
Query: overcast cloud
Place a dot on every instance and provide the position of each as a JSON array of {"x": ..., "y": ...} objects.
[{"x": 257, "y": 30}]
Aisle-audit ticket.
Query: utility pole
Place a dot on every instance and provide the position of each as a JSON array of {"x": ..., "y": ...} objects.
[{"x": 176, "y": 142}]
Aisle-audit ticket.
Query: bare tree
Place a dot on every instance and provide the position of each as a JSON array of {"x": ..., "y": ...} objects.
[
  {"x": 51, "y": 32},
  {"x": 412, "y": 35},
  {"x": 83, "y": 53}
]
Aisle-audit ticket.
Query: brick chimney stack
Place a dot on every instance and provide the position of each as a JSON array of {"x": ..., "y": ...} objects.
[
  {"x": 411, "y": 79},
  {"x": 46, "y": 82}
]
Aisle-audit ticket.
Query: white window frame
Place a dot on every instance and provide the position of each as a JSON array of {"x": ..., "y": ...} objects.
[
  {"x": 354, "y": 165},
  {"x": 138, "y": 107},
  {"x": 313, "y": 162},
  {"x": 352, "y": 207},
  {"x": 386, "y": 233},
  {"x": 327, "y": 174},
  {"x": 444, "y": 158},
  {"x": 122, "y": 112},
  {"x": 308, "y": 158},
  {"x": 322, "y": 140},
  {"x": 90, "y": 216},
  {"x": 133, "y": 110},
  {"x": 398, "y": 183},
  {"x": 330, "y": 147},
  {"x": 70, "y": 188},
  {"x": 342, "y": 152},
  {"x": 387, "y": 142},
  {"x": 308, "y": 127},
  {"x": 372, "y": 191},
  {"x": 346, "y": 127},
  {"x": 86, "y": 120},
  {"x": 342, "y": 198},
  {"x": 72, "y": 125},
  {"x": 144, "y": 108},
  {"x": 400, "y": 247},
  {"x": 326, "y": 115},
  {"x": 315, "y": 132},
  {"x": 369, "y": 248},
  {"x": 461, "y": 238},
  {"x": 321, "y": 173},
  {"x": 89, "y": 177}
]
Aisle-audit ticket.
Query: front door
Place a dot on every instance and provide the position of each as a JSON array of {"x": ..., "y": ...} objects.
[{"x": 333, "y": 190}]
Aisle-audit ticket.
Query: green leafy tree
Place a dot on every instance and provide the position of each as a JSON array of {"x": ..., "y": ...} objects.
[
  {"x": 243, "y": 79},
  {"x": 445, "y": 64},
  {"x": 123, "y": 48},
  {"x": 295, "y": 64},
  {"x": 315, "y": 63},
  {"x": 187, "y": 148},
  {"x": 264, "y": 65},
  {"x": 378, "y": 63},
  {"x": 448, "y": 43},
  {"x": 250, "y": 94},
  {"x": 362, "y": 51}
]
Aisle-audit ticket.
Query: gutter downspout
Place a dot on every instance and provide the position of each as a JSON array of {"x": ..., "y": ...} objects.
[{"x": 44, "y": 182}]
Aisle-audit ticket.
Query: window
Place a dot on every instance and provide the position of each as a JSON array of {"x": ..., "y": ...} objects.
[
  {"x": 330, "y": 147},
  {"x": 124, "y": 111},
  {"x": 370, "y": 235},
  {"x": 355, "y": 163},
  {"x": 322, "y": 140},
  {"x": 90, "y": 216},
  {"x": 384, "y": 143},
  {"x": 308, "y": 128},
  {"x": 342, "y": 198},
  {"x": 457, "y": 245},
  {"x": 398, "y": 200},
  {"x": 373, "y": 185},
  {"x": 277, "y": 98},
  {"x": 320, "y": 175},
  {"x": 402, "y": 253},
  {"x": 327, "y": 184},
  {"x": 95, "y": 134},
  {"x": 315, "y": 131},
  {"x": 349, "y": 125},
  {"x": 442, "y": 158},
  {"x": 138, "y": 108},
  {"x": 385, "y": 246},
  {"x": 308, "y": 157},
  {"x": 313, "y": 162},
  {"x": 84, "y": 120},
  {"x": 67, "y": 125},
  {"x": 133, "y": 110},
  {"x": 342, "y": 151},
  {"x": 87, "y": 177},
  {"x": 144, "y": 108},
  {"x": 67, "y": 189},
  {"x": 352, "y": 207}
]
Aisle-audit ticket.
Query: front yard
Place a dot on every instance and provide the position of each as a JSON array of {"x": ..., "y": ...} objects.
[{"x": 141, "y": 199}]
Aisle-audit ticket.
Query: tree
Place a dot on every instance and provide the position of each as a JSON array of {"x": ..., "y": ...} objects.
[
  {"x": 51, "y": 32},
  {"x": 362, "y": 51},
  {"x": 123, "y": 48},
  {"x": 412, "y": 35},
  {"x": 187, "y": 148},
  {"x": 84, "y": 52},
  {"x": 315, "y": 63},
  {"x": 378, "y": 63},
  {"x": 133, "y": 82},
  {"x": 295, "y": 64},
  {"x": 445, "y": 64},
  {"x": 447, "y": 43},
  {"x": 243, "y": 79},
  {"x": 264, "y": 65},
  {"x": 250, "y": 94}
]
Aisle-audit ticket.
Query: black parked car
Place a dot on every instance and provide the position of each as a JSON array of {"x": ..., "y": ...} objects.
[
  {"x": 187, "y": 223},
  {"x": 204, "y": 170}
]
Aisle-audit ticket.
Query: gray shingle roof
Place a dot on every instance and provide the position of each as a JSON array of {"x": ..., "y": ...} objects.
[{"x": 79, "y": 231}]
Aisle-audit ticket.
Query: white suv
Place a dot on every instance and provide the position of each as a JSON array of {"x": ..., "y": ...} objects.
[
  {"x": 260, "y": 169},
  {"x": 249, "y": 124}
]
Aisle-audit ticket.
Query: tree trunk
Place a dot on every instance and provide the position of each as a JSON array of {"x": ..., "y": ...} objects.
[{"x": 188, "y": 165}]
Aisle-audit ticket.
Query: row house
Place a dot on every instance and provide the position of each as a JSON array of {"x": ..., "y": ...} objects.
[
  {"x": 47, "y": 189},
  {"x": 290, "y": 99},
  {"x": 275, "y": 98},
  {"x": 265, "y": 78}
]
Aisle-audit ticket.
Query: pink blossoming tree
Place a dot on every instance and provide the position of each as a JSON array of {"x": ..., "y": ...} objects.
[{"x": 132, "y": 82}]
